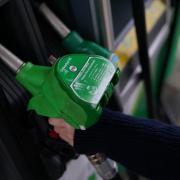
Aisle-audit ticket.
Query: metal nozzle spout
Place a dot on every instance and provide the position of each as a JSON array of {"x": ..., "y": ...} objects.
[
  {"x": 12, "y": 61},
  {"x": 55, "y": 22}
]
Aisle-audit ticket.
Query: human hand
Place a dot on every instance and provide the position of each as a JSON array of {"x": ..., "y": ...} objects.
[{"x": 64, "y": 130}]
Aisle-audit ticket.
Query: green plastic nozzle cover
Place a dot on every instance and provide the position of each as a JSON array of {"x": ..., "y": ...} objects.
[
  {"x": 74, "y": 43},
  {"x": 75, "y": 88}
]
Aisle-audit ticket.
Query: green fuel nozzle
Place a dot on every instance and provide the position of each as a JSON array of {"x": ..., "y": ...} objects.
[
  {"x": 72, "y": 41},
  {"x": 76, "y": 87}
]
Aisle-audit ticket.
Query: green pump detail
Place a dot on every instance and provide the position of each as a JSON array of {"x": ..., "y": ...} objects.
[
  {"x": 72, "y": 41},
  {"x": 76, "y": 87}
]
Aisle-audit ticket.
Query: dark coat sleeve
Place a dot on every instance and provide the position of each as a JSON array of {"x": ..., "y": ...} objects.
[{"x": 146, "y": 146}]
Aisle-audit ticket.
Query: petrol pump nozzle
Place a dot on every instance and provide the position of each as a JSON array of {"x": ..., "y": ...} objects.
[
  {"x": 75, "y": 88},
  {"x": 72, "y": 41}
]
